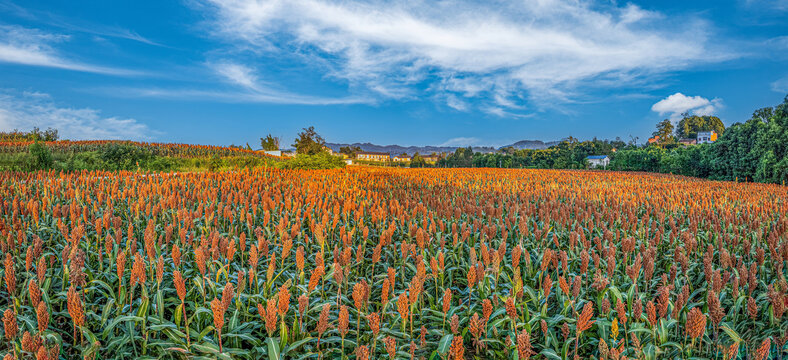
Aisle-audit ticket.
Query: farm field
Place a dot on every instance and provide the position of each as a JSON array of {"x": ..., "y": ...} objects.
[{"x": 374, "y": 263}]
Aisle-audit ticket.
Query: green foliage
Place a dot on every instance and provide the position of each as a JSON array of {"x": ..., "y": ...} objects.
[
  {"x": 350, "y": 150},
  {"x": 309, "y": 142},
  {"x": 124, "y": 156},
  {"x": 269, "y": 143},
  {"x": 417, "y": 161},
  {"x": 33, "y": 135},
  {"x": 321, "y": 160},
  {"x": 689, "y": 126},
  {"x": 40, "y": 157},
  {"x": 569, "y": 154},
  {"x": 664, "y": 131}
]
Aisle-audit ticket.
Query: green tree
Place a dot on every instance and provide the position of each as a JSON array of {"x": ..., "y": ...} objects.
[
  {"x": 350, "y": 151},
  {"x": 690, "y": 125},
  {"x": 309, "y": 142},
  {"x": 269, "y": 143},
  {"x": 41, "y": 157},
  {"x": 417, "y": 161},
  {"x": 664, "y": 131}
]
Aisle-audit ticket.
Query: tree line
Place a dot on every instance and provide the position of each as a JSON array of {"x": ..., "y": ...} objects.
[{"x": 755, "y": 150}]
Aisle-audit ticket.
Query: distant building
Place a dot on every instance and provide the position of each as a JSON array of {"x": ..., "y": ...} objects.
[
  {"x": 653, "y": 140},
  {"x": 373, "y": 156},
  {"x": 328, "y": 150},
  {"x": 598, "y": 160},
  {"x": 289, "y": 153},
  {"x": 688, "y": 142},
  {"x": 273, "y": 152},
  {"x": 707, "y": 137},
  {"x": 401, "y": 158},
  {"x": 431, "y": 158},
  {"x": 348, "y": 161}
]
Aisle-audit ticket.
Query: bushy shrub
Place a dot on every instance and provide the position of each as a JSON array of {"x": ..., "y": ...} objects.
[
  {"x": 124, "y": 157},
  {"x": 313, "y": 162}
]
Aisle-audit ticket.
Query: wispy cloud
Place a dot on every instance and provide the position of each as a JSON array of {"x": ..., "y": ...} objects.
[
  {"x": 19, "y": 45},
  {"x": 678, "y": 103},
  {"x": 28, "y": 109},
  {"x": 781, "y": 85},
  {"x": 461, "y": 141},
  {"x": 545, "y": 49},
  {"x": 234, "y": 96}
]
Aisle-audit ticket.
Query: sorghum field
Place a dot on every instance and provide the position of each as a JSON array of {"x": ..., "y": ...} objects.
[{"x": 383, "y": 263}]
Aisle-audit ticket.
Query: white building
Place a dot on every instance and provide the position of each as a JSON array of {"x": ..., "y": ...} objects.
[
  {"x": 707, "y": 137},
  {"x": 595, "y": 161}
]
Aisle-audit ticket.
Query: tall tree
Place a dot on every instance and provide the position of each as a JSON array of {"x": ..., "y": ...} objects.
[
  {"x": 309, "y": 142},
  {"x": 664, "y": 131},
  {"x": 690, "y": 125},
  {"x": 269, "y": 143}
]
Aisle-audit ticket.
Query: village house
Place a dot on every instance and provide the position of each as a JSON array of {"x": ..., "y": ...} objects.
[
  {"x": 707, "y": 137},
  {"x": 595, "y": 161},
  {"x": 328, "y": 150},
  {"x": 373, "y": 156},
  {"x": 431, "y": 158},
  {"x": 688, "y": 142},
  {"x": 401, "y": 158}
]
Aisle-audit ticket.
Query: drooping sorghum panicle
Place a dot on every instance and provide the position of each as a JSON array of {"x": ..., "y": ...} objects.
[
  {"x": 403, "y": 306},
  {"x": 524, "y": 345},
  {"x": 565, "y": 331},
  {"x": 446, "y": 300},
  {"x": 362, "y": 353},
  {"x": 270, "y": 315},
  {"x": 159, "y": 269},
  {"x": 391, "y": 346},
  {"x": 344, "y": 319},
  {"x": 75, "y": 307},
  {"x": 474, "y": 326},
  {"x": 455, "y": 324},
  {"x": 227, "y": 295},
  {"x": 511, "y": 310},
  {"x": 42, "y": 353},
  {"x": 651, "y": 313},
  {"x": 457, "y": 349},
  {"x": 374, "y": 323},
  {"x": 10, "y": 274},
  {"x": 138, "y": 275},
  {"x": 218, "y": 313},
  {"x": 180, "y": 285},
  {"x": 35, "y": 293},
  {"x": 42, "y": 314},
  {"x": 763, "y": 350},
  {"x": 384, "y": 292},
  {"x": 120, "y": 264},
  {"x": 547, "y": 285},
  {"x": 322, "y": 323},
  {"x": 9, "y": 324},
  {"x": 303, "y": 303},
  {"x": 584, "y": 321},
  {"x": 696, "y": 323},
  {"x": 359, "y": 295},
  {"x": 752, "y": 308},
  {"x": 487, "y": 309},
  {"x": 300, "y": 258},
  {"x": 41, "y": 269},
  {"x": 621, "y": 310},
  {"x": 733, "y": 351},
  {"x": 176, "y": 256}
]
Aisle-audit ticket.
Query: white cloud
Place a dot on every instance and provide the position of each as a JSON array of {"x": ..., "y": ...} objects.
[
  {"x": 461, "y": 141},
  {"x": 679, "y": 103},
  {"x": 237, "y": 74},
  {"x": 32, "y": 47},
  {"x": 268, "y": 96},
  {"x": 545, "y": 48},
  {"x": 33, "y": 109},
  {"x": 780, "y": 85}
]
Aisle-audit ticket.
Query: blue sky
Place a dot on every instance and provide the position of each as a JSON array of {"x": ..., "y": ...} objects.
[{"x": 415, "y": 72}]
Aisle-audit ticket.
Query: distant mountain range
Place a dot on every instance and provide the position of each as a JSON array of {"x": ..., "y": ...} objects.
[{"x": 410, "y": 150}]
